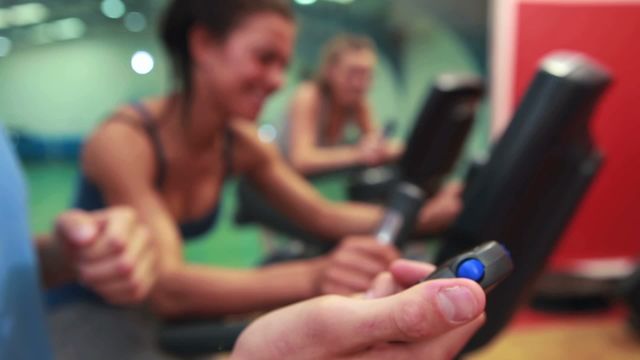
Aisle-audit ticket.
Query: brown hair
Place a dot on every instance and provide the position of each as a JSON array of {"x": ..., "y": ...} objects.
[
  {"x": 217, "y": 16},
  {"x": 337, "y": 46}
]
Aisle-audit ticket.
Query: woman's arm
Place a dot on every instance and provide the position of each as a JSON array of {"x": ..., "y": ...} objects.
[
  {"x": 120, "y": 161},
  {"x": 373, "y": 142},
  {"x": 305, "y": 154},
  {"x": 214, "y": 291},
  {"x": 296, "y": 198},
  {"x": 107, "y": 250},
  {"x": 364, "y": 119},
  {"x": 290, "y": 193},
  {"x": 54, "y": 264}
]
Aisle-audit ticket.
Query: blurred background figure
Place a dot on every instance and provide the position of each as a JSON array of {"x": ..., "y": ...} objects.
[{"x": 331, "y": 125}]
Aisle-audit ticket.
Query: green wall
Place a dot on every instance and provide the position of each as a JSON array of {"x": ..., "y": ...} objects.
[
  {"x": 66, "y": 88},
  {"x": 431, "y": 49}
]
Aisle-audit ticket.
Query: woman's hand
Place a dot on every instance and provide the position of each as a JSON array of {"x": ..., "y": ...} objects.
[
  {"x": 110, "y": 251},
  {"x": 353, "y": 265},
  {"x": 371, "y": 150},
  {"x": 375, "y": 150}
]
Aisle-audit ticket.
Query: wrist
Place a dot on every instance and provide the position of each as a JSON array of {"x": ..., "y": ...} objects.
[
  {"x": 63, "y": 258},
  {"x": 55, "y": 260},
  {"x": 367, "y": 156},
  {"x": 424, "y": 219},
  {"x": 317, "y": 268}
]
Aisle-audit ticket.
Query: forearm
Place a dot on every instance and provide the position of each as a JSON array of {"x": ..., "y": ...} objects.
[
  {"x": 55, "y": 268},
  {"x": 335, "y": 220},
  {"x": 338, "y": 220},
  {"x": 204, "y": 290},
  {"x": 326, "y": 159}
]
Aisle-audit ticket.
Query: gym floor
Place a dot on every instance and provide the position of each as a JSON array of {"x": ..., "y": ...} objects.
[{"x": 530, "y": 336}]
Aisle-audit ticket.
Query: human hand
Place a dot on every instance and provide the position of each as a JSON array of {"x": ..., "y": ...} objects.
[
  {"x": 430, "y": 320},
  {"x": 354, "y": 264},
  {"x": 372, "y": 149},
  {"x": 392, "y": 150},
  {"x": 110, "y": 251}
]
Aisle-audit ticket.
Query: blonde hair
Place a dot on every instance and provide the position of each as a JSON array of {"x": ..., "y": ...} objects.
[{"x": 334, "y": 48}]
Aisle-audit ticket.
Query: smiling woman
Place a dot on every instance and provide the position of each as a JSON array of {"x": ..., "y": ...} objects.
[
  {"x": 168, "y": 158},
  {"x": 257, "y": 39}
]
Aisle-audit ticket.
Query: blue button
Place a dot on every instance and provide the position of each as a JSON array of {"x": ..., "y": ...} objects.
[{"x": 471, "y": 269}]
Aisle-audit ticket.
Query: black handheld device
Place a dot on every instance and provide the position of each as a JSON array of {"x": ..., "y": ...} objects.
[{"x": 487, "y": 264}]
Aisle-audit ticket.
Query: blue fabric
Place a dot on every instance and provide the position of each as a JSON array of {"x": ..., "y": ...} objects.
[
  {"x": 70, "y": 293},
  {"x": 90, "y": 198},
  {"x": 22, "y": 321}
]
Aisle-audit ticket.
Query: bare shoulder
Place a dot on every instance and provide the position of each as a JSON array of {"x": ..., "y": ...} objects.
[
  {"x": 119, "y": 145},
  {"x": 250, "y": 152}
]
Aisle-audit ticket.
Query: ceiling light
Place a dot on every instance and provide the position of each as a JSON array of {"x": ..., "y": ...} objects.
[
  {"x": 4, "y": 18},
  {"x": 113, "y": 9},
  {"x": 267, "y": 133},
  {"x": 67, "y": 29},
  {"x": 142, "y": 62},
  {"x": 27, "y": 14},
  {"x": 135, "y": 21}
]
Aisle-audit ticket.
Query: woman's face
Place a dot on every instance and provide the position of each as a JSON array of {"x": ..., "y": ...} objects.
[
  {"x": 350, "y": 77},
  {"x": 250, "y": 63}
]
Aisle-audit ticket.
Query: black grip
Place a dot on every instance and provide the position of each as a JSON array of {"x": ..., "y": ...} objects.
[
  {"x": 537, "y": 173},
  {"x": 433, "y": 148}
]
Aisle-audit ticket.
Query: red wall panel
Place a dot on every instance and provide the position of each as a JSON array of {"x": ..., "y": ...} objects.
[{"x": 607, "y": 223}]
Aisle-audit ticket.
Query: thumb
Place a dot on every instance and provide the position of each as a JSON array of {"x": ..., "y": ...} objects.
[
  {"x": 420, "y": 313},
  {"x": 77, "y": 228}
]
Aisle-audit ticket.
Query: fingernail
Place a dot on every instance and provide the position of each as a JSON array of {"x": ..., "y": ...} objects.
[
  {"x": 83, "y": 233},
  {"x": 457, "y": 304}
]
